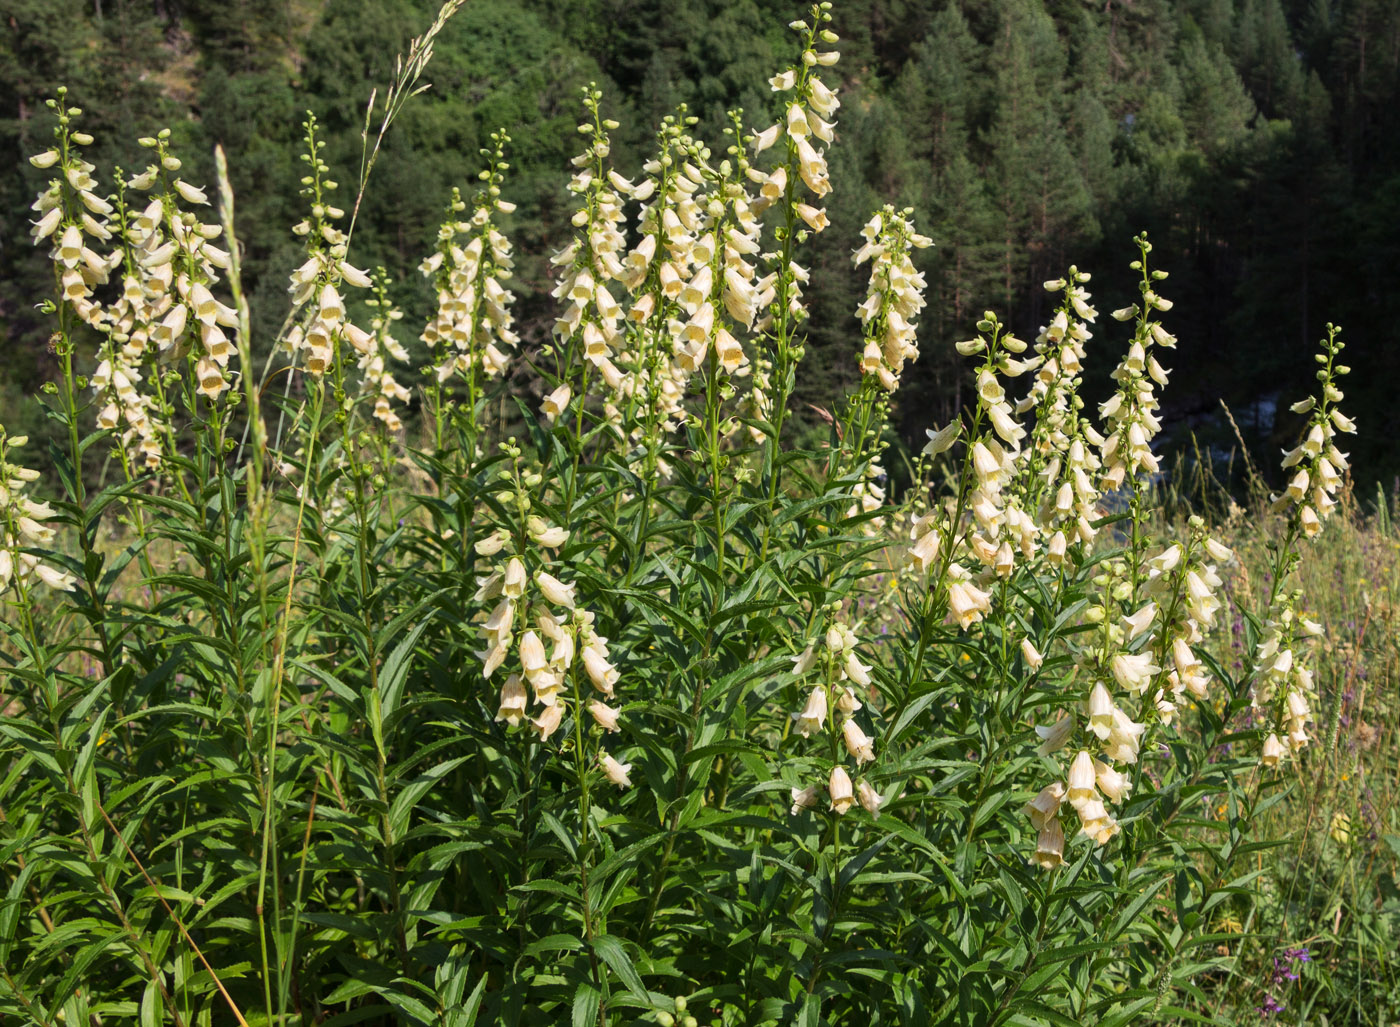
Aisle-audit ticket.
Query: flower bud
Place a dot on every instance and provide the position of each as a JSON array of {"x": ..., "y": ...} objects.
[
  {"x": 1031, "y": 655},
  {"x": 492, "y": 543}
]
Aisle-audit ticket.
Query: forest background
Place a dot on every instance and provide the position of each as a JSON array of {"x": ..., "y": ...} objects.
[{"x": 1255, "y": 140}]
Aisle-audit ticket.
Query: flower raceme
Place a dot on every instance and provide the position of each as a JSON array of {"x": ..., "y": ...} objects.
[
  {"x": 24, "y": 527},
  {"x": 895, "y": 295},
  {"x": 167, "y": 261},
  {"x": 472, "y": 334}
]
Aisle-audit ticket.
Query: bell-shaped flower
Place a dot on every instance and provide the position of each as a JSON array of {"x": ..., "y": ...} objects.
[
  {"x": 1101, "y": 710},
  {"x": 813, "y": 715},
  {"x": 548, "y": 721},
  {"x": 841, "y": 791},
  {"x": 603, "y": 714},
  {"x": 804, "y": 798},
  {"x": 616, "y": 772},
  {"x": 869, "y": 799},
  {"x": 1054, "y": 736},
  {"x": 1113, "y": 784},
  {"x": 1046, "y": 805},
  {"x": 1050, "y": 845},
  {"x": 858, "y": 744},
  {"x": 1134, "y": 672},
  {"x": 513, "y": 700},
  {"x": 1083, "y": 784}
]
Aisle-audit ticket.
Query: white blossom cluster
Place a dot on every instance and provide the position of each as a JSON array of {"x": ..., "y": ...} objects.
[
  {"x": 841, "y": 670},
  {"x": 1144, "y": 663},
  {"x": 656, "y": 271},
  {"x": 895, "y": 295},
  {"x": 806, "y": 131},
  {"x": 23, "y": 525},
  {"x": 1063, "y": 445},
  {"x": 1315, "y": 466},
  {"x": 723, "y": 292},
  {"x": 376, "y": 348},
  {"x": 1130, "y": 414},
  {"x": 592, "y": 317},
  {"x": 1285, "y": 692},
  {"x": 472, "y": 331},
  {"x": 315, "y": 342},
  {"x": 168, "y": 263},
  {"x": 996, "y": 527},
  {"x": 530, "y": 610}
]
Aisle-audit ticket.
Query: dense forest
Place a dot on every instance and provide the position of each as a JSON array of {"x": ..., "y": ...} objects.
[{"x": 1256, "y": 141}]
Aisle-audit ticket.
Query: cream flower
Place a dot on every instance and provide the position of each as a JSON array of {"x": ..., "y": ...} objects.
[
  {"x": 858, "y": 744},
  {"x": 1054, "y": 736},
  {"x": 840, "y": 789},
  {"x": 1134, "y": 672},
  {"x": 603, "y": 714},
  {"x": 513, "y": 700},
  {"x": 1083, "y": 783},
  {"x": 548, "y": 721},
  {"x": 1046, "y": 805},
  {"x": 616, "y": 772},
  {"x": 1050, "y": 845},
  {"x": 804, "y": 798},
  {"x": 869, "y": 798},
  {"x": 813, "y": 715}
]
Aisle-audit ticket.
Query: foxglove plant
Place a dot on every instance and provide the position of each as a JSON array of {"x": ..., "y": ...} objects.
[{"x": 579, "y": 692}]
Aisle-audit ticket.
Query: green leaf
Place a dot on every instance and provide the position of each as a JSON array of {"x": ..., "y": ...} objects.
[
  {"x": 395, "y": 673},
  {"x": 612, "y": 953},
  {"x": 586, "y": 1000}
]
